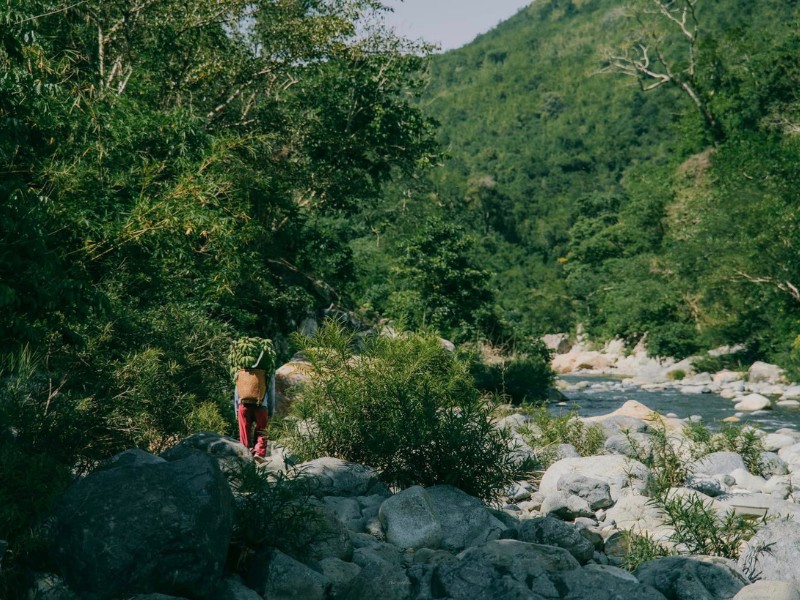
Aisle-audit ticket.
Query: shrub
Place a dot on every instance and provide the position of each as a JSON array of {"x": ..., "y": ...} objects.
[
  {"x": 405, "y": 406},
  {"x": 547, "y": 430},
  {"x": 676, "y": 375},
  {"x": 729, "y": 438},
  {"x": 641, "y": 547},
  {"x": 700, "y": 529},
  {"x": 44, "y": 432},
  {"x": 271, "y": 508}
]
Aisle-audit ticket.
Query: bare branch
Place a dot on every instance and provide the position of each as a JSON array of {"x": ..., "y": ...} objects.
[{"x": 784, "y": 286}]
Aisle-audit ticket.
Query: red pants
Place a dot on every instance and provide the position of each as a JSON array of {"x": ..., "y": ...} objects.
[{"x": 248, "y": 415}]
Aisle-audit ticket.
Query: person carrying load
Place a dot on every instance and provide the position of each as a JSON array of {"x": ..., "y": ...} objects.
[{"x": 252, "y": 368}]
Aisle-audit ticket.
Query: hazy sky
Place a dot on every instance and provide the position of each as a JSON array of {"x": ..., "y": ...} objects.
[{"x": 450, "y": 23}]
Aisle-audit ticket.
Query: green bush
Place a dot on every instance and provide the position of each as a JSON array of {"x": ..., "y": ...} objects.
[
  {"x": 676, "y": 375},
  {"x": 272, "y": 509},
  {"x": 405, "y": 406},
  {"x": 729, "y": 438},
  {"x": 546, "y": 430},
  {"x": 44, "y": 434}
]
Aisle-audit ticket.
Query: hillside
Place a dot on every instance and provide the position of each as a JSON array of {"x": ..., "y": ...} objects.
[{"x": 597, "y": 202}]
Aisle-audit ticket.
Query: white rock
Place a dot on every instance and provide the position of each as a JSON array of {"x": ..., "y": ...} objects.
[
  {"x": 618, "y": 471},
  {"x": 765, "y": 372},
  {"x": 775, "y": 441},
  {"x": 753, "y": 402}
]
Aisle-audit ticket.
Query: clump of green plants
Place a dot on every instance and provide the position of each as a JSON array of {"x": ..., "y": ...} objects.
[
  {"x": 735, "y": 361},
  {"x": 700, "y": 529},
  {"x": 546, "y": 430},
  {"x": 676, "y": 375},
  {"x": 729, "y": 438},
  {"x": 664, "y": 456},
  {"x": 272, "y": 508},
  {"x": 404, "y": 406},
  {"x": 641, "y": 547}
]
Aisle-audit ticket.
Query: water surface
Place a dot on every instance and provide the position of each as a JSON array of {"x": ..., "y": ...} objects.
[{"x": 606, "y": 394}]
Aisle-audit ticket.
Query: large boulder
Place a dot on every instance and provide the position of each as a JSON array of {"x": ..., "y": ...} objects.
[
  {"x": 514, "y": 570},
  {"x": 753, "y": 402},
  {"x": 330, "y": 476},
  {"x": 761, "y": 372},
  {"x": 769, "y": 590},
  {"x": 228, "y": 452},
  {"x": 772, "y": 553},
  {"x": 717, "y": 463},
  {"x": 636, "y": 512},
  {"x": 552, "y": 532},
  {"x": 143, "y": 526},
  {"x": 693, "y": 577},
  {"x": 276, "y": 576},
  {"x": 464, "y": 519},
  {"x": 619, "y": 472},
  {"x": 502, "y": 569},
  {"x": 409, "y": 520},
  {"x": 596, "y": 492},
  {"x": 557, "y": 342},
  {"x": 290, "y": 379}
]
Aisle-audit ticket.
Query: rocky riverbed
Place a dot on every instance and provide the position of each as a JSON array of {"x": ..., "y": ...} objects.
[{"x": 160, "y": 527}]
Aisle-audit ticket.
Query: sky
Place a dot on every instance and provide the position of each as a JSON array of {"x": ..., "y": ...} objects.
[{"x": 449, "y": 23}]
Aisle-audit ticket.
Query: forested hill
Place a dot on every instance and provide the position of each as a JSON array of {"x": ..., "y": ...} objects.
[{"x": 671, "y": 211}]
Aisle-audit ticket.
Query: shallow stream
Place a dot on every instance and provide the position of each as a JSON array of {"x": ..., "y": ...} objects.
[{"x": 602, "y": 395}]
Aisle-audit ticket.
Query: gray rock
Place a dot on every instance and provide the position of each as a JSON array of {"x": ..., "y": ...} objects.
[
  {"x": 593, "y": 584},
  {"x": 507, "y": 569},
  {"x": 596, "y": 492},
  {"x": 637, "y": 512},
  {"x": 464, "y": 520},
  {"x": 345, "y": 510},
  {"x": 717, "y": 463},
  {"x": 147, "y": 526},
  {"x": 618, "y": 424},
  {"x": 692, "y": 577},
  {"x": 327, "y": 538},
  {"x": 634, "y": 445},
  {"x": 130, "y": 458},
  {"x": 772, "y": 553},
  {"x": 378, "y": 553},
  {"x": 769, "y": 590},
  {"x": 341, "y": 575},
  {"x": 775, "y": 441},
  {"x": 233, "y": 588},
  {"x": 274, "y": 575},
  {"x": 380, "y": 579},
  {"x": 47, "y": 586},
  {"x": 420, "y": 572},
  {"x": 566, "y": 506},
  {"x": 759, "y": 504},
  {"x": 334, "y": 477},
  {"x": 619, "y": 472},
  {"x": 552, "y": 532},
  {"x": 227, "y": 451},
  {"x": 753, "y": 402},
  {"x": 709, "y": 486},
  {"x": 761, "y": 372},
  {"x": 771, "y": 464},
  {"x": 409, "y": 520}
]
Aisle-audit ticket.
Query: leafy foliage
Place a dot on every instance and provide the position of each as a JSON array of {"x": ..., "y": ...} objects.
[
  {"x": 546, "y": 430},
  {"x": 405, "y": 406}
]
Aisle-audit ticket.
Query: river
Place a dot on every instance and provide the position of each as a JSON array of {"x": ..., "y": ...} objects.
[{"x": 602, "y": 395}]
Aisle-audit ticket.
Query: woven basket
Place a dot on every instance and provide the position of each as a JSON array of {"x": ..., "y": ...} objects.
[{"x": 251, "y": 384}]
